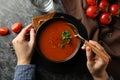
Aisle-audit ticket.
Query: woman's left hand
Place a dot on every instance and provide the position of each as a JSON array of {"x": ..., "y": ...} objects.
[{"x": 24, "y": 47}]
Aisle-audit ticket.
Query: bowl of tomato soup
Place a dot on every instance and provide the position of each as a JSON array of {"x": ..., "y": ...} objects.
[{"x": 56, "y": 41}]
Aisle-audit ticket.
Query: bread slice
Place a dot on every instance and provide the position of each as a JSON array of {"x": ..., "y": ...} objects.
[{"x": 36, "y": 21}]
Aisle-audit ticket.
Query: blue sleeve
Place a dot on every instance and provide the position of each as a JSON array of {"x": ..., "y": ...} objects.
[
  {"x": 24, "y": 72},
  {"x": 110, "y": 78}
]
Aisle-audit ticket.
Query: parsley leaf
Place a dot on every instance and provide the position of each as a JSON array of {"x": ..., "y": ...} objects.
[{"x": 66, "y": 38}]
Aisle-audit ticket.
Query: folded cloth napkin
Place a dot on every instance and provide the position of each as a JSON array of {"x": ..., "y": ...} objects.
[{"x": 107, "y": 35}]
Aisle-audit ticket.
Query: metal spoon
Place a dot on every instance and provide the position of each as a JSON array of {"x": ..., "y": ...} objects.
[{"x": 101, "y": 54}]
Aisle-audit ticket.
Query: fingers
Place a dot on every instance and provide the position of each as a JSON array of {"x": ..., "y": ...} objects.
[
  {"x": 23, "y": 33},
  {"x": 89, "y": 54},
  {"x": 32, "y": 36},
  {"x": 96, "y": 44},
  {"x": 83, "y": 47}
]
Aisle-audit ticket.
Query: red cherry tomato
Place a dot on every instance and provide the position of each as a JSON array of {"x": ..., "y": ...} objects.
[
  {"x": 104, "y": 5},
  {"x": 115, "y": 9},
  {"x": 92, "y": 11},
  {"x": 3, "y": 31},
  {"x": 91, "y": 2},
  {"x": 105, "y": 18},
  {"x": 16, "y": 27}
]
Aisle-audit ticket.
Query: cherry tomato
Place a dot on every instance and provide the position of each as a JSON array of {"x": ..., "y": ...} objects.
[
  {"x": 91, "y": 2},
  {"x": 105, "y": 18},
  {"x": 3, "y": 31},
  {"x": 115, "y": 9},
  {"x": 16, "y": 27},
  {"x": 104, "y": 5},
  {"x": 92, "y": 11}
]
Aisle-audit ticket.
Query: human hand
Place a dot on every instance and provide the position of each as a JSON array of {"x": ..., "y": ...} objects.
[
  {"x": 96, "y": 65},
  {"x": 23, "y": 47}
]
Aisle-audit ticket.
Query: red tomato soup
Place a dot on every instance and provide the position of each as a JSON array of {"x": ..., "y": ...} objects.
[{"x": 50, "y": 39}]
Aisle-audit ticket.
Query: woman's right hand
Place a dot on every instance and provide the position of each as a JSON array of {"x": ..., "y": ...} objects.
[{"x": 96, "y": 65}]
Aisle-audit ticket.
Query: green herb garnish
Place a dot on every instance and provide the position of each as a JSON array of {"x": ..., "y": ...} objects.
[{"x": 66, "y": 38}]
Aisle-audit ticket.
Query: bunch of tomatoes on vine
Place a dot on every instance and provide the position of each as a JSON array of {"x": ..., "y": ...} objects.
[{"x": 103, "y": 10}]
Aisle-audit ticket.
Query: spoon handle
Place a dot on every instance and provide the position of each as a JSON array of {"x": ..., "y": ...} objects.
[{"x": 101, "y": 54}]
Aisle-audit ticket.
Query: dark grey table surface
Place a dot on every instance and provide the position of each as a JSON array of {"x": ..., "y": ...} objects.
[{"x": 12, "y": 11}]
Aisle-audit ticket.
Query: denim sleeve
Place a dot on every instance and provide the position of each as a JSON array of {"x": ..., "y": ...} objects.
[
  {"x": 110, "y": 78},
  {"x": 24, "y": 72}
]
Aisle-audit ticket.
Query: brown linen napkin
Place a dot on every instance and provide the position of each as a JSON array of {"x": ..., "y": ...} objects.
[{"x": 108, "y": 36}]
